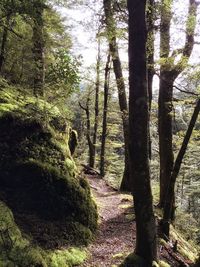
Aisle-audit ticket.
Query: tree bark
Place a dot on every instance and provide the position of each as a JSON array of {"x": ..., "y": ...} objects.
[
  {"x": 150, "y": 57},
  {"x": 138, "y": 132},
  {"x": 126, "y": 184},
  {"x": 150, "y": 47},
  {"x": 38, "y": 50},
  {"x": 88, "y": 133},
  {"x": 105, "y": 110},
  {"x": 169, "y": 71},
  {"x": 3, "y": 42},
  {"x": 168, "y": 207},
  {"x": 96, "y": 119}
]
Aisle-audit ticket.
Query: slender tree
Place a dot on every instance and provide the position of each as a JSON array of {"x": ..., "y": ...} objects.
[
  {"x": 168, "y": 207},
  {"x": 126, "y": 184},
  {"x": 86, "y": 108},
  {"x": 97, "y": 87},
  {"x": 150, "y": 46},
  {"x": 105, "y": 111},
  {"x": 4, "y": 41},
  {"x": 138, "y": 132},
  {"x": 38, "y": 47},
  {"x": 150, "y": 55},
  {"x": 169, "y": 71}
]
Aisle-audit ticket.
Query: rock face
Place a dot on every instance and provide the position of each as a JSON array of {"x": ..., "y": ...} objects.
[{"x": 38, "y": 175}]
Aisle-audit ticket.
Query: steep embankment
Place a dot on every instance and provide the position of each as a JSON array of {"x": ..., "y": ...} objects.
[{"x": 51, "y": 207}]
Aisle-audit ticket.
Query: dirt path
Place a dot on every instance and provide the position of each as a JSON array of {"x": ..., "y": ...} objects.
[{"x": 116, "y": 233}]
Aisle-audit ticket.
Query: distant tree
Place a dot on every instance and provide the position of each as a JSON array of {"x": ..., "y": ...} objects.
[
  {"x": 96, "y": 107},
  {"x": 38, "y": 46},
  {"x": 168, "y": 207},
  {"x": 126, "y": 184},
  {"x": 105, "y": 112},
  {"x": 86, "y": 108},
  {"x": 4, "y": 40},
  {"x": 139, "y": 134}
]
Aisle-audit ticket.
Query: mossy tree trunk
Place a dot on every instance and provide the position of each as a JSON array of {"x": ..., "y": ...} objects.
[
  {"x": 38, "y": 48},
  {"x": 4, "y": 41},
  {"x": 138, "y": 131},
  {"x": 169, "y": 71},
  {"x": 150, "y": 55},
  {"x": 126, "y": 184},
  {"x": 105, "y": 111},
  {"x": 168, "y": 207}
]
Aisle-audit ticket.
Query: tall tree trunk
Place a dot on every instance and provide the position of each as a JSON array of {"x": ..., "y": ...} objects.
[
  {"x": 105, "y": 110},
  {"x": 88, "y": 133},
  {"x": 139, "y": 128},
  {"x": 150, "y": 56},
  {"x": 165, "y": 132},
  {"x": 38, "y": 50},
  {"x": 126, "y": 184},
  {"x": 150, "y": 47},
  {"x": 3, "y": 42},
  {"x": 168, "y": 207},
  {"x": 96, "y": 119},
  {"x": 169, "y": 71}
]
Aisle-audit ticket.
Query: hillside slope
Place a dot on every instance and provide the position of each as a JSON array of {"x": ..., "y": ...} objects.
[{"x": 44, "y": 205}]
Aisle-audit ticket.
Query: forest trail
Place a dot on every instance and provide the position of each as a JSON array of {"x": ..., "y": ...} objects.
[{"x": 116, "y": 234}]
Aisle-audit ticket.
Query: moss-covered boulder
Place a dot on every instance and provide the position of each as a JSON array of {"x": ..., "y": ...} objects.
[{"x": 38, "y": 178}]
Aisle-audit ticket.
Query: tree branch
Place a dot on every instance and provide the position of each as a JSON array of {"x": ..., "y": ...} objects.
[
  {"x": 11, "y": 30},
  {"x": 189, "y": 41}
]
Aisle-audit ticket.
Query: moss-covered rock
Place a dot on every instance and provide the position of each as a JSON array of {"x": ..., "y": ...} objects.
[
  {"x": 18, "y": 250},
  {"x": 133, "y": 260},
  {"x": 38, "y": 175}
]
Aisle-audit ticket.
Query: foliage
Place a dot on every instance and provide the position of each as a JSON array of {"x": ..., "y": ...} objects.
[
  {"x": 62, "y": 76},
  {"x": 18, "y": 59}
]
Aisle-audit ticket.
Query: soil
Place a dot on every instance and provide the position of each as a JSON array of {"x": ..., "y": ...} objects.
[{"x": 116, "y": 235}]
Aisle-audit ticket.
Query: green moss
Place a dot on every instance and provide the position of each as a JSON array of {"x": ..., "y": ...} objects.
[
  {"x": 70, "y": 257},
  {"x": 162, "y": 242},
  {"x": 22, "y": 253},
  {"x": 164, "y": 264},
  {"x": 187, "y": 254},
  {"x": 51, "y": 206},
  {"x": 14, "y": 248},
  {"x": 118, "y": 256},
  {"x": 134, "y": 261}
]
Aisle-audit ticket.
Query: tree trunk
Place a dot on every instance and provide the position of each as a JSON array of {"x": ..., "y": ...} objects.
[
  {"x": 96, "y": 119},
  {"x": 105, "y": 110},
  {"x": 126, "y": 184},
  {"x": 150, "y": 56},
  {"x": 169, "y": 71},
  {"x": 150, "y": 47},
  {"x": 138, "y": 132},
  {"x": 168, "y": 207},
  {"x": 38, "y": 51},
  {"x": 165, "y": 108},
  {"x": 3, "y": 42},
  {"x": 88, "y": 133}
]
